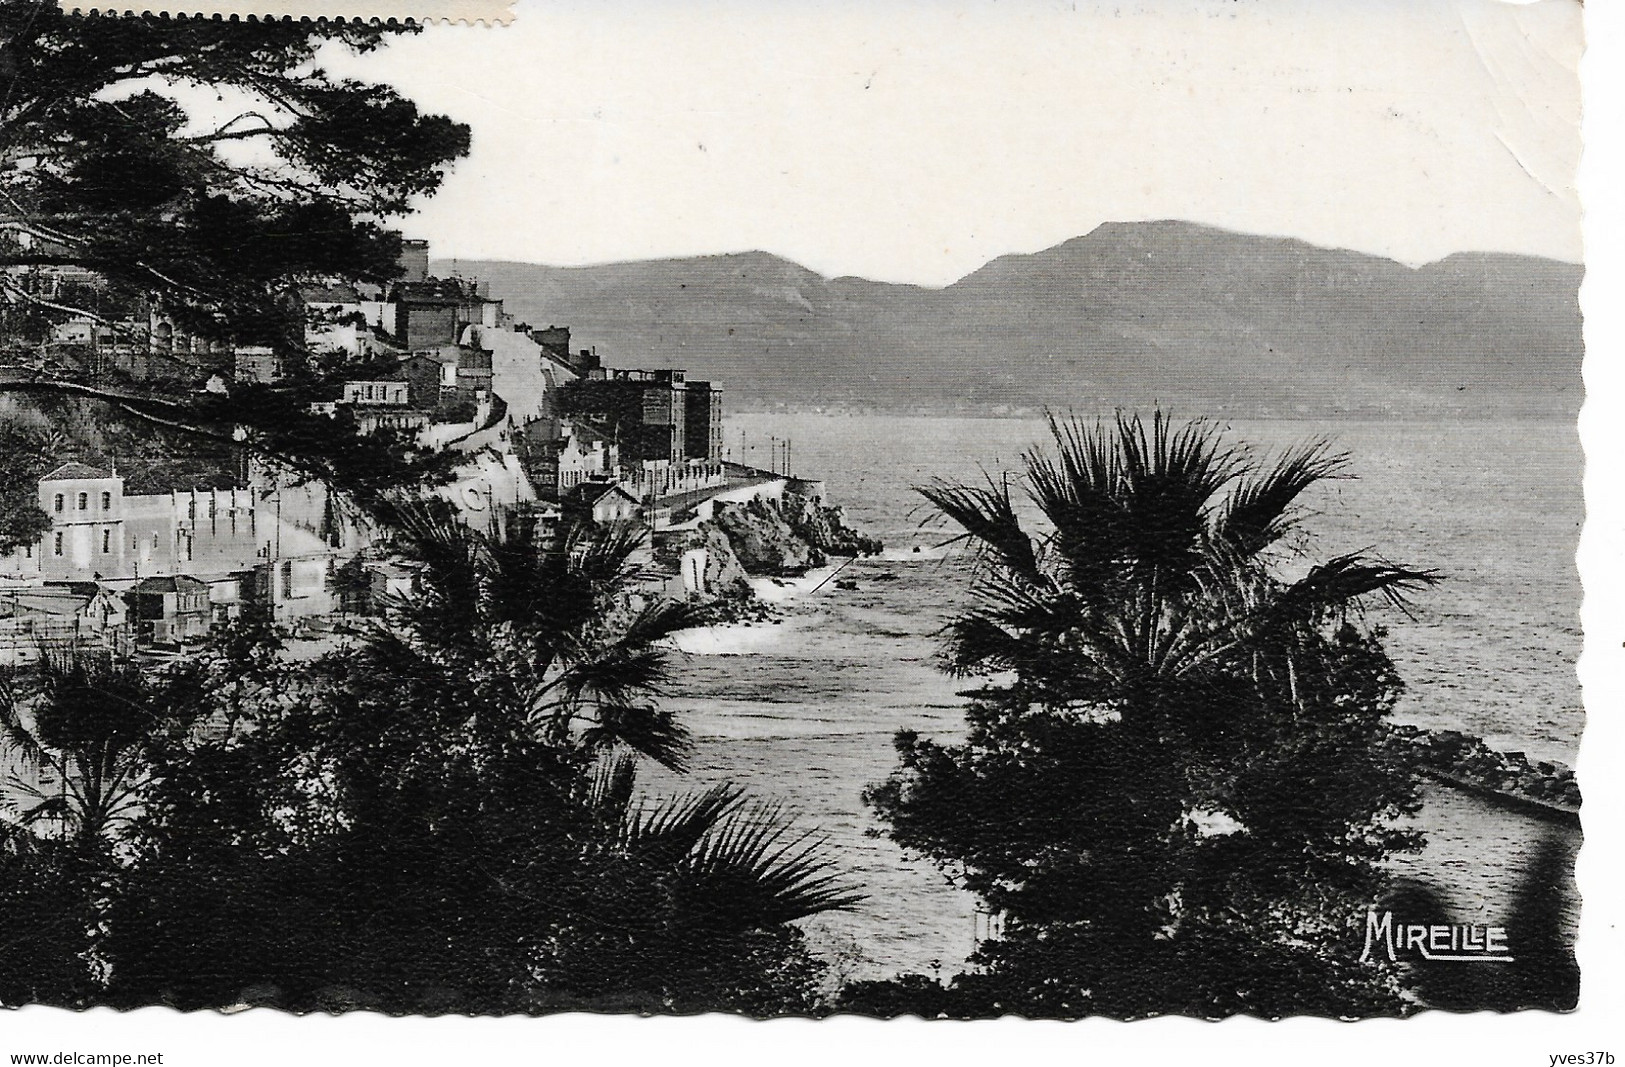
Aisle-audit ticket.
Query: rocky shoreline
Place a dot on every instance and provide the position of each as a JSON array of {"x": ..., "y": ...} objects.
[
  {"x": 1543, "y": 788},
  {"x": 764, "y": 538},
  {"x": 787, "y": 537}
]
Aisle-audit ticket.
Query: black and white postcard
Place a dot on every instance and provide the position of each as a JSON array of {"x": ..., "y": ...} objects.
[{"x": 918, "y": 511}]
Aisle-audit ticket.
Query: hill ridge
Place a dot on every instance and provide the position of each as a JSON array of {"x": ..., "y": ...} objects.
[{"x": 1127, "y": 314}]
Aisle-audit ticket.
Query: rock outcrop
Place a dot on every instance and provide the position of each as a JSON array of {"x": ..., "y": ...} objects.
[
  {"x": 786, "y": 537},
  {"x": 725, "y": 575},
  {"x": 765, "y": 538},
  {"x": 825, "y": 529},
  {"x": 763, "y": 541}
]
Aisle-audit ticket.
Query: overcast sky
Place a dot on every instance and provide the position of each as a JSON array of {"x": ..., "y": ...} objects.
[{"x": 915, "y": 141}]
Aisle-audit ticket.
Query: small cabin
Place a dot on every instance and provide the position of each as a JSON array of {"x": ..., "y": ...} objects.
[
  {"x": 169, "y": 610},
  {"x": 602, "y": 502}
]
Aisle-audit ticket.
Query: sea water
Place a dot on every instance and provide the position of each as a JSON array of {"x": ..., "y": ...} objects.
[{"x": 804, "y": 711}]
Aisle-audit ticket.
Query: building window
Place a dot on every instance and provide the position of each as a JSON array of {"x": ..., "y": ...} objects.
[
  {"x": 84, "y": 501},
  {"x": 57, "y": 544},
  {"x": 57, "y": 503},
  {"x": 107, "y": 501},
  {"x": 107, "y": 540}
]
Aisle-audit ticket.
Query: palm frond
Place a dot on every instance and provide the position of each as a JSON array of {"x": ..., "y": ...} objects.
[
  {"x": 616, "y": 677},
  {"x": 1262, "y": 509},
  {"x": 451, "y": 562},
  {"x": 1130, "y": 496},
  {"x": 979, "y": 643},
  {"x": 610, "y": 797},
  {"x": 1078, "y": 491},
  {"x": 15, "y": 734},
  {"x": 1340, "y": 582},
  {"x": 665, "y": 831},
  {"x": 651, "y": 732},
  {"x": 1171, "y": 482},
  {"x": 988, "y": 518},
  {"x": 522, "y": 577},
  {"x": 602, "y": 554},
  {"x": 659, "y": 620},
  {"x": 756, "y": 870},
  {"x": 619, "y": 671}
]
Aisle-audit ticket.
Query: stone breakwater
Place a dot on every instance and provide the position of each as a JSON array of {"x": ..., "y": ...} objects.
[{"x": 1457, "y": 759}]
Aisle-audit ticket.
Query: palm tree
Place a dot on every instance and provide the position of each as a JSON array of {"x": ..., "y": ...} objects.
[
  {"x": 1164, "y": 696},
  {"x": 1160, "y": 563},
  {"x": 77, "y": 730},
  {"x": 742, "y": 861},
  {"x": 559, "y": 630},
  {"x": 452, "y": 806},
  {"x": 82, "y": 723},
  {"x": 552, "y": 643},
  {"x": 679, "y": 897}
]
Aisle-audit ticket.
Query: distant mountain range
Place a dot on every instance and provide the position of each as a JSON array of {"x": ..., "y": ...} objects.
[{"x": 1200, "y": 319}]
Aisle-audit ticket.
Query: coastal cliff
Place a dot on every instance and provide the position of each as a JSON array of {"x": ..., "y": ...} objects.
[
  {"x": 779, "y": 538},
  {"x": 762, "y": 538}
]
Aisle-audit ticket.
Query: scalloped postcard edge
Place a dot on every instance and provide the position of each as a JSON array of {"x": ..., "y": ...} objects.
[{"x": 485, "y": 12}]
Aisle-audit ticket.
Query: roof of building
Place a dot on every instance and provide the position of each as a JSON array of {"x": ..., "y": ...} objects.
[
  {"x": 73, "y": 470},
  {"x": 70, "y": 587},
  {"x": 442, "y": 354},
  {"x": 430, "y": 291},
  {"x": 586, "y": 494},
  {"x": 178, "y": 583},
  {"x": 340, "y": 293},
  {"x": 42, "y": 602}
]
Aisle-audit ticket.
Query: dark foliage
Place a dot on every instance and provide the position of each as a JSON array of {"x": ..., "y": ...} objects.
[
  {"x": 133, "y": 184},
  {"x": 47, "y": 895},
  {"x": 444, "y": 819},
  {"x": 1180, "y": 786},
  {"x": 24, "y": 457},
  {"x": 205, "y": 168}
]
